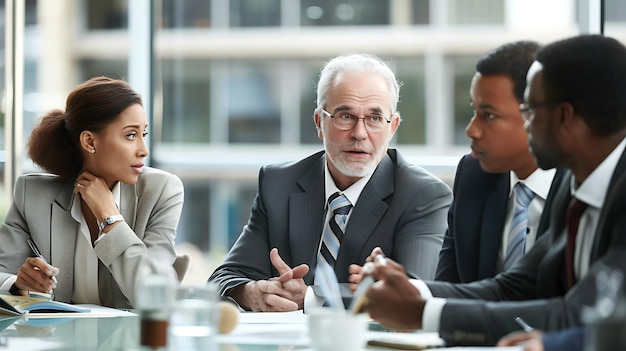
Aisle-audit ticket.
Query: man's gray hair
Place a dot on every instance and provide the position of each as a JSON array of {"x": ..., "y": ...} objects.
[{"x": 362, "y": 64}]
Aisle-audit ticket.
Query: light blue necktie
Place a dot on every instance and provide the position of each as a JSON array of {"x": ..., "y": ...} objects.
[
  {"x": 519, "y": 225},
  {"x": 334, "y": 228}
]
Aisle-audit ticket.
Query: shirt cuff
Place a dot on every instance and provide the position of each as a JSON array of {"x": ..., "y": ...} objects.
[
  {"x": 8, "y": 283},
  {"x": 100, "y": 237},
  {"x": 422, "y": 288},
  {"x": 312, "y": 301},
  {"x": 431, "y": 315}
]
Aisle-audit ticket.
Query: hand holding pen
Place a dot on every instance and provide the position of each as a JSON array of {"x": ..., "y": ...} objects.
[
  {"x": 33, "y": 247},
  {"x": 36, "y": 274},
  {"x": 393, "y": 300}
]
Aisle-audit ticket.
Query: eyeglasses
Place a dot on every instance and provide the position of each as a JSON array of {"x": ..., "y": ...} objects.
[
  {"x": 528, "y": 112},
  {"x": 347, "y": 121}
]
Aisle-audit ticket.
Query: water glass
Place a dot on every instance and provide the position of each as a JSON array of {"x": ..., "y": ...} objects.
[{"x": 194, "y": 319}]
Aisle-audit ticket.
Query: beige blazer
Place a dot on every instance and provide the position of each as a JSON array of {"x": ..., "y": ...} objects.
[{"x": 42, "y": 209}]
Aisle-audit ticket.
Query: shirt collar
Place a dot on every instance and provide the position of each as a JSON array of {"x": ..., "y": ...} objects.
[
  {"x": 593, "y": 190},
  {"x": 352, "y": 193},
  {"x": 77, "y": 211},
  {"x": 539, "y": 181}
]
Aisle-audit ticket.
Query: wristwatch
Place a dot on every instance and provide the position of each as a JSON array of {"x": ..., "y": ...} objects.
[
  {"x": 14, "y": 290},
  {"x": 109, "y": 220}
]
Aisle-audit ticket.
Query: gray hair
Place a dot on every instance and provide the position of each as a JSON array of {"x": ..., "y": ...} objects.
[{"x": 364, "y": 64}]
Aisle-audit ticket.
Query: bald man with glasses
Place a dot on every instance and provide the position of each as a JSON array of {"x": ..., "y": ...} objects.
[{"x": 333, "y": 207}]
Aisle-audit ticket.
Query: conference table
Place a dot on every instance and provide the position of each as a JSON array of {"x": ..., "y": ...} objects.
[{"x": 121, "y": 331}]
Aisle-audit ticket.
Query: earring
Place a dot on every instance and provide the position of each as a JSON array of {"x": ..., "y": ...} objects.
[{"x": 93, "y": 151}]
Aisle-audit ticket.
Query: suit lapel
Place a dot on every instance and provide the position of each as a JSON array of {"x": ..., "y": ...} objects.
[
  {"x": 366, "y": 216},
  {"x": 492, "y": 225},
  {"x": 128, "y": 206},
  {"x": 128, "y": 203},
  {"x": 553, "y": 264},
  {"x": 63, "y": 229},
  {"x": 603, "y": 235},
  {"x": 306, "y": 216},
  {"x": 544, "y": 221}
]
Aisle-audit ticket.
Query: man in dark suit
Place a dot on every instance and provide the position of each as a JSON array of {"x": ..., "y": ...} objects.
[
  {"x": 390, "y": 202},
  {"x": 479, "y": 242},
  {"x": 576, "y": 118}
]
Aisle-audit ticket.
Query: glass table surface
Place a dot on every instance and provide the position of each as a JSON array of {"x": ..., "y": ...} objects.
[{"x": 123, "y": 333}]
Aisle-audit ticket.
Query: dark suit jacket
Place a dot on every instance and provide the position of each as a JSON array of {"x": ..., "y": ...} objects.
[
  {"x": 535, "y": 288},
  {"x": 402, "y": 209},
  {"x": 476, "y": 218},
  {"x": 572, "y": 339}
]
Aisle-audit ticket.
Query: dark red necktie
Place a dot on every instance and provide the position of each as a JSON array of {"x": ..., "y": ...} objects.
[{"x": 575, "y": 210}]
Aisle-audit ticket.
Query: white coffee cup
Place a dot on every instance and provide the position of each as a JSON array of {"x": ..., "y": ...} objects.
[{"x": 332, "y": 330}]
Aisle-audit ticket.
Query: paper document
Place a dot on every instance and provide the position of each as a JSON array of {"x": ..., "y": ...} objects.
[
  {"x": 405, "y": 341},
  {"x": 267, "y": 334},
  {"x": 479, "y": 348},
  {"x": 296, "y": 317},
  {"x": 95, "y": 311}
]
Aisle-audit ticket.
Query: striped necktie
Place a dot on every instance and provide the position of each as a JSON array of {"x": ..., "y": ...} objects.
[
  {"x": 519, "y": 225},
  {"x": 334, "y": 228}
]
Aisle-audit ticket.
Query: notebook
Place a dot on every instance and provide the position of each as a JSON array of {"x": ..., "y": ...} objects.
[{"x": 20, "y": 305}]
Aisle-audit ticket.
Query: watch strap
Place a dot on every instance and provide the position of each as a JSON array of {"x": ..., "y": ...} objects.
[
  {"x": 109, "y": 220},
  {"x": 14, "y": 290}
]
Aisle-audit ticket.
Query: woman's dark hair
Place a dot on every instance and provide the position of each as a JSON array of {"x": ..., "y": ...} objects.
[{"x": 54, "y": 142}]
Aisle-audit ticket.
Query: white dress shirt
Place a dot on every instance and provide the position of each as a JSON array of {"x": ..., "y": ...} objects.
[{"x": 85, "y": 259}]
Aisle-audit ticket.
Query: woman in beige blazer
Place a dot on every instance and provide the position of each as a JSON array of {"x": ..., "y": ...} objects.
[{"x": 100, "y": 218}]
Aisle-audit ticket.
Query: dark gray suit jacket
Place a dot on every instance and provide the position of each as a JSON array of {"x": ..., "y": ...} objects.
[
  {"x": 535, "y": 288},
  {"x": 402, "y": 209},
  {"x": 476, "y": 217}
]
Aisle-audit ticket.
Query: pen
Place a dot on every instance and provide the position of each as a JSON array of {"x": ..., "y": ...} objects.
[
  {"x": 379, "y": 260},
  {"x": 33, "y": 247},
  {"x": 527, "y": 328},
  {"x": 359, "y": 299}
]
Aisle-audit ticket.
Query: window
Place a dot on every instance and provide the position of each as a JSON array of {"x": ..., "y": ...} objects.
[
  {"x": 184, "y": 14},
  {"x": 253, "y": 102},
  {"x": 309, "y": 75},
  {"x": 615, "y": 10},
  {"x": 186, "y": 99},
  {"x": 475, "y": 12},
  {"x": 420, "y": 12},
  {"x": 463, "y": 69},
  {"x": 344, "y": 13},
  {"x": 107, "y": 15},
  {"x": 412, "y": 105},
  {"x": 254, "y": 13}
]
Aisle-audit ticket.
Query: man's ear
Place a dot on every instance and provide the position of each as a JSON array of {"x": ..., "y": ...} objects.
[
  {"x": 318, "y": 126},
  {"x": 395, "y": 122},
  {"x": 567, "y": 117},
  {"x": 87, "y": 141}
]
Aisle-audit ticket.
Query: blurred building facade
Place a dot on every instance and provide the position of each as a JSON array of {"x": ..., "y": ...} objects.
[{"x": 233, "y": 82}]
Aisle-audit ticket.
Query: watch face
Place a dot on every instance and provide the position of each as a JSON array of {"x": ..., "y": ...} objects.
[{"x": 110, "y": 220}]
